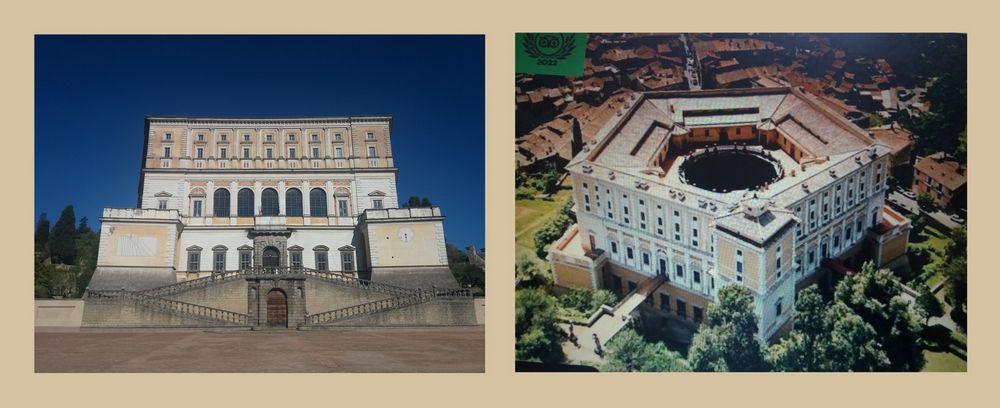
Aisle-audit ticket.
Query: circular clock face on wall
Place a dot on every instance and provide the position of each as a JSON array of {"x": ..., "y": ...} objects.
[{"x": 405, "y": 234}]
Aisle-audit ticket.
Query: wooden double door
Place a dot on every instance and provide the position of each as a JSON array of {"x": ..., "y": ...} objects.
[{"x": 277, "y": 308}]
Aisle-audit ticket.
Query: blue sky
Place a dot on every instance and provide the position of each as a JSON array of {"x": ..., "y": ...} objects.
[{"x": 93, "y": 92}]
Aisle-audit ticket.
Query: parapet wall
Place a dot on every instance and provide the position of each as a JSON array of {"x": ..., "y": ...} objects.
[{"x": 441, "y": 312}]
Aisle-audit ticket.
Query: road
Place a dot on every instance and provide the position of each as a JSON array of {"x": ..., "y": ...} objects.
[
  {"x": 909, "y": 205},
  {"x": 690, "y": 71}
]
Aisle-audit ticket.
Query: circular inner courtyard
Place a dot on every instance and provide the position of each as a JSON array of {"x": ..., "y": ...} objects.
[{"x": 725, "y": 170}]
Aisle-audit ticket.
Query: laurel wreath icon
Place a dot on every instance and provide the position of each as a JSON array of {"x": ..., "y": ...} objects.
[{"x": 548, "y": 49}]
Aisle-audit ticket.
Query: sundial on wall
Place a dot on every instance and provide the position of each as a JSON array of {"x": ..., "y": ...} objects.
[{"x": 405, "y": 234}]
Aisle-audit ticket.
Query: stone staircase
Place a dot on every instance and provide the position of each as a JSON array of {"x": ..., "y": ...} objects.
[
  {"x": 158, "y": 298},
  {"x": 183, "y": 309},
  {"x": 397, "y": 302}
]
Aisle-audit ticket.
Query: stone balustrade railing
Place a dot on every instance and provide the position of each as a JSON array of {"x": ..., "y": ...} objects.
[{"x": 174, "y": 306}]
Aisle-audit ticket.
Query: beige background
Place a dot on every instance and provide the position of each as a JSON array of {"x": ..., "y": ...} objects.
[{"x": 500, "y": 386}]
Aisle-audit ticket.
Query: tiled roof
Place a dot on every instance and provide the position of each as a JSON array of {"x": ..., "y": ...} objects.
[{"x": 947, "y": 172}]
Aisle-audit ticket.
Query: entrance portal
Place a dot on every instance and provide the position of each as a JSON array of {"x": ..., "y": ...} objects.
[{"x": 277, "y": 309}]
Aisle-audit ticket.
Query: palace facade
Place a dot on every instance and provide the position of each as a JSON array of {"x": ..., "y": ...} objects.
[
  {"x": 273, "y": 197},
  {"x": 686, "y": 192}
]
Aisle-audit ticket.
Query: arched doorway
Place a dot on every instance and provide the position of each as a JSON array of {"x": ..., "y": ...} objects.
[
  {"x": 271, "y": 257},
  {"x": 277, "y": 309}
]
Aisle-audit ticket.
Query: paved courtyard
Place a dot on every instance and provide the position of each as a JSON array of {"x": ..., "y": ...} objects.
[{"x": 421, "y": 349}]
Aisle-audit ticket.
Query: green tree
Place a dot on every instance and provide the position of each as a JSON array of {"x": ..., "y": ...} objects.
[
  {"x": 424, "y": 202},
  {"x": 43, "y": 279},
  {"x": 551, "y": 232},
  {"x": 413, "y": 201},
  {"x": 955, "y": 270},
  {"x": 84, "y": 226},
  {"x": 926, "y": 201},
  {"x": 547, "y": 181},
  {"x": 538, "y": 338},
  {"x": 629, "y": 352},
  {"x": 528, "y": 275},
  {"x": 851, "y": 345},
  {"x": 728, "y": 342},
  {"x": 826, "y": 338},
  {"x": 62, "y": 240},
  {"x": 874, "y": 295},
  {"x": 928, "y": 305},
  {"x": 587, "y": 300},
  {"x": 42, "y": 233}
]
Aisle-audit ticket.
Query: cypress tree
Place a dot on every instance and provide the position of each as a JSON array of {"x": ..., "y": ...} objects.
[
  {"x": 62, "y": 241},
  {"x": 42, "y": 233},
  {"x": 84, "y": 227}
]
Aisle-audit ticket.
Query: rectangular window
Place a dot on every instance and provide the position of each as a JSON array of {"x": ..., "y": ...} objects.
[
  {"x": 369, "y": 135},
  {"x": 371, "y": 151},
  {"x": 200, "y": 153},
  {"x": 196, "y": 208},
  {"x": 338, "y": 136},
  {"x": 246, "y": 259},
  {"x": 246, "y": 152},
  {"x": 222, "y": 137},
  {"x": 614, "y": 247},
  {"x": 338, "y": 152},
  {"x": 168, "y": 136},
  {"x": 246, "y": 137},
  {"x": 220, "y": 262},
  {"x": 291, "y": 138},
  {"x": 269, "y": 153},
  {"x": 269, "y": 138},
  {"x": 679, "y": 270},
  {"x": 681, "y": 308},
  {"x": 342, "y": 208},
  {"x": 314, "y": 137},
  {"x": 222, "y": 153},
  {"x": 201, "y": 137},
  {"x": 696, "y": 276},
  {"x": 194, "y": 261},
  {"x": 291, "y": 152},
  {"x": 645, "y": 258},
  {"x": 777, "y": 262},
  {"x": 321, "y": 262},
  {"x": 295, "y": 257},
  {"x": 777, "y": 308},
  {"x": 377, "y": 203},
  {"x": 315, "y": 153},
  {"x": 739, "y": 265},
  {"x": 629, "y": 253},
  {"x": 162, "y": 204},
  {"x": 696, "y": 311},
  {"x": 347, "y": 261},
  {"x": 664, "y": 302},
  {"x": 166, "y": 152}
]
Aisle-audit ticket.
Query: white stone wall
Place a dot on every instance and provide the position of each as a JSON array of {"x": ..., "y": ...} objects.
[{"x": 308, "y": 239}]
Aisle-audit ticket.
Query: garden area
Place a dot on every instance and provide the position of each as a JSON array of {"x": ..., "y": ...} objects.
[{"x": 535, "y": 211}]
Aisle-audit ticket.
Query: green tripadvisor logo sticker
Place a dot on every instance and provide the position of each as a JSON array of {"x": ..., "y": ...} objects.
[{"x": 550, "y": 53}]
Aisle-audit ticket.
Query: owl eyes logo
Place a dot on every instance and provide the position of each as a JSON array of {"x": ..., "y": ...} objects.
[{"x": 548, "y": 49}]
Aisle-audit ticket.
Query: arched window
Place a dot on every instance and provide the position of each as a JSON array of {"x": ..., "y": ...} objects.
[
  {"x": 317, "y": 203},
  {"x": 269, "y": 201},
  {"x": 244, "y": 203},
  {"x": 221, "y": 198},
  {"x": 293, "y": 202}
]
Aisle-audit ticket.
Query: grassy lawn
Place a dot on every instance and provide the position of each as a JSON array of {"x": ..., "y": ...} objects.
[
  {"x": 943, "y": 362},
  {"x": 937, "y": 242},
  {"x": 533, "y": 214}
]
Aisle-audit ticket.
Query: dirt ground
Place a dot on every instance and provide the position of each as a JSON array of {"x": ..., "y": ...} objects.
[{"x": 411, "y": 349}]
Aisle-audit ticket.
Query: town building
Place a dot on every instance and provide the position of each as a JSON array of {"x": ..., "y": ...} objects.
[
  {"x": 284, "y": 208},
  {"x": 685, "y": 192},
  {"x": 941, "y": 177}
]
